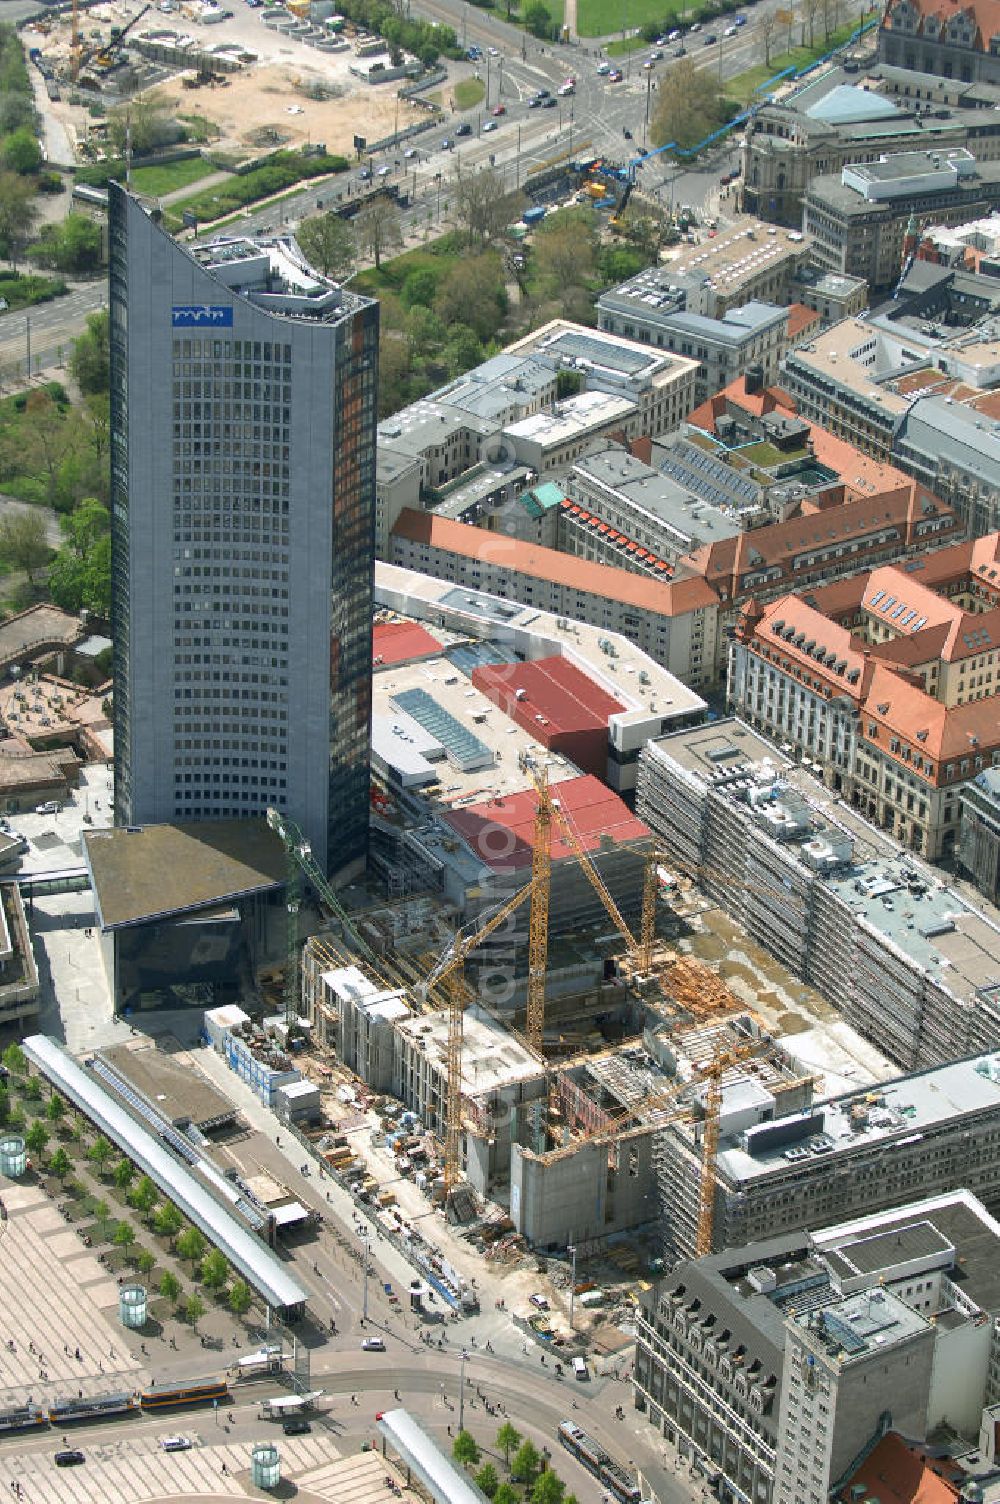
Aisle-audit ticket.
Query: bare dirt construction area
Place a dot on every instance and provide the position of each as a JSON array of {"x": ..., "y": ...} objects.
[{"x": 287, "y": 104}]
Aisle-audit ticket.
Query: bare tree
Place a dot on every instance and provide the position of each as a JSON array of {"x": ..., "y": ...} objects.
[
  {"x": 810, "y": 10},
  {"x": 768, "y": 27},
  {"x": 378, "y": 228},
  {"x": 328, "y": 241},
  {"x": 482, "y": 207}
]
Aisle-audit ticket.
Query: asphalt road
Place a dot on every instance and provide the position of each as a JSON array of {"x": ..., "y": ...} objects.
[{"x": 52, "y": 326}]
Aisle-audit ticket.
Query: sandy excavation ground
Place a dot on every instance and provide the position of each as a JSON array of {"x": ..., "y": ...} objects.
[{"x": 270, "y": 106}]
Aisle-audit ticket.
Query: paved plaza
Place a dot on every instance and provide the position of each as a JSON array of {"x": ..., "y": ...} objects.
[
  {"x": 134, "y": 1469},
  {"x": 56, "y": 1299}
]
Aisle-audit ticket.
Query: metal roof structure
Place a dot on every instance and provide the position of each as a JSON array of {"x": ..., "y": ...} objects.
[
  {"x": 445, "y": 1483},
  {"x": 248, "y": 1256}
]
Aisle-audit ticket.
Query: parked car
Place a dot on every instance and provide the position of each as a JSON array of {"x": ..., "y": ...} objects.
[
  {"x": 410, "y": 153},
  {"x": 465, "y": 129},
  {"x": 373, "y": 1345},
  {"x": 675, "y": 35},
  {"x": 50, "y": 807},
  {"x": 296, "y": 1425},
  {"x": 730, "y": 31},
  {"x": 534, "y": 102},
  {"x": 694, "y": 28},
  {"x": 365, "y": 175},
  {"x": 70, "y": 1458},
  {"x": 175, "y": 1443},
  {"x": 542, "y": 93},
  {"x": 384, "y": 171},
  {"x": 447, "y": 144},
  {"x": 655, "y": 55}
]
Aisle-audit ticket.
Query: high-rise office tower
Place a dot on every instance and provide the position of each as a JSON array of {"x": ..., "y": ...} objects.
[{"x": 243, "y": 411}]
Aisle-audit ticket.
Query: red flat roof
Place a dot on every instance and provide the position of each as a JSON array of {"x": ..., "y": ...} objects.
[
  {"x": 593, "y": 810},
  {"x": 552, "y": 687},
  {"x": 401, "y": 642}
]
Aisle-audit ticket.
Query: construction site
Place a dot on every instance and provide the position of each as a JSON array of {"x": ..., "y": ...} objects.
[{"x": 254, "y": 85}]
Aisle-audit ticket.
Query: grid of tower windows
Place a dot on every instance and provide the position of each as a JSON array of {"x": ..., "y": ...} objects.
[{"x": 231, "y": 417}]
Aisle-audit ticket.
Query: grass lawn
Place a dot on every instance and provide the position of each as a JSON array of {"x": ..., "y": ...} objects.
[
  {"x": 602, "y": 18},
  {"x": 468, "y": 93},
  {"x": 438, "y": 255},
  {"x": 24, "y": 291},
  {"x": 743, "y": 86},
  {"x": 167, "y": 177}
]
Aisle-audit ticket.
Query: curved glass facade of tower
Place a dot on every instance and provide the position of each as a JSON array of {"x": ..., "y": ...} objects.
[{"x": 243, "y": 411}]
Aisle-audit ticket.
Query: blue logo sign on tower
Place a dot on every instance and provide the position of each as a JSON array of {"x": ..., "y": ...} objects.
[{"x": 201, "y": 316}]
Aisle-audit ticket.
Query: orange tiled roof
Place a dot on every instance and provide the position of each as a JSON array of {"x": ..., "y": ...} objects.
[
  {"x": 896, "y": 1475},
  {"x": 985, "y": 13},
  {"x": 673, "y": 598}
]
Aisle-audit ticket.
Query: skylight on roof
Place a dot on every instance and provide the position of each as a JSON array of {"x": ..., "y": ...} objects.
[
  {"x": 898, "y": 612},
  {"x": 876, "y": 597},
  {"x": 919, "y": 625}
]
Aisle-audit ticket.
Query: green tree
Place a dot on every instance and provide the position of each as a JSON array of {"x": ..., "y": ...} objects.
[
  {"x": 239, "y": 1297},
  {"x": 74, "y": 245},
  {"x": 145, "y": 1261},
  {"x": 526, "y": 1462},
  {"x": 168, "y": 1221},
  {"x": 41, "y": 441},
  {"x": 538, "y": 20},
  {"x": 505, "y": 1495},
  {"x": 4, "y": 1106},
  {"x": 55, "y": 1109},
  {"x": 80, "y": 574},
  {"x": 20, "y": 152},
  {"x": 101, "y": 1211},
  {"x": 60, "y": 1164},
  {"x": 90, "y": 360},
  {"x": 508, "y": 1440},
  {"x": 142, "y": 123},
  {"x": 688, "y": 105},
  {"x": 33, "y": 1088},
  {"x": 214, "y": 1270},
  {"x": 123, "y": 1236},
  {"x": 566, "y": 249},
  {"x": 124, "y": 1174},
  {"x": 15, "y": 1060},
  {"x": 419, "y": 287},
  {"x": 378, "y": 228},
  {"x": 18, "y": 213},
  {"x": 486, "y": 1480},
  {"x": 99, "y": 1153},
  {"x": 143, "y": 1197},
  {"x": 328, "y": 242},
  {"x": 472, "y": 293},
  {"x": 194, "y": 1308},
  {"x": 36, "y": 1138},
  {"x": 191, "y": 1245},
  {"x": 170, "y": 1286},
  {"x": 23, "y": 541},
  {"x": 548, "y": 1489},
  {"x": 465, "y": 1449}
]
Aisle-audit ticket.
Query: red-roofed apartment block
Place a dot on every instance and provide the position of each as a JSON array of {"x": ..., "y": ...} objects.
[
  {"x": 890, "y": 680},
  {"x": 557, "y": 704}
]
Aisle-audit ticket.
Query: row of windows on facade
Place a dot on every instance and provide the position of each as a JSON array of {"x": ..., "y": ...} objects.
[
  {"x": 241, "y": 420},
  {"x": 232, "y": 349},
  {"x": 202, "y": 535}
]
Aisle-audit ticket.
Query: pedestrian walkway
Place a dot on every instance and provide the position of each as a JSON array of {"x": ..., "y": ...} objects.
[
  {"x": 57, "y": 1301},
  {"x": 134, "y": 1468}
]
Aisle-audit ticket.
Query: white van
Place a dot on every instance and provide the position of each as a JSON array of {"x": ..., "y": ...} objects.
[{"x": 580, "y": 1369}]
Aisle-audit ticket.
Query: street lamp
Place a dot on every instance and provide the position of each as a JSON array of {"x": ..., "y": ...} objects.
[
  {"x": 364, "y": 1298},
  {"x": 461, "y": 1393},
  {"x": 571, "y": 1250}
]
